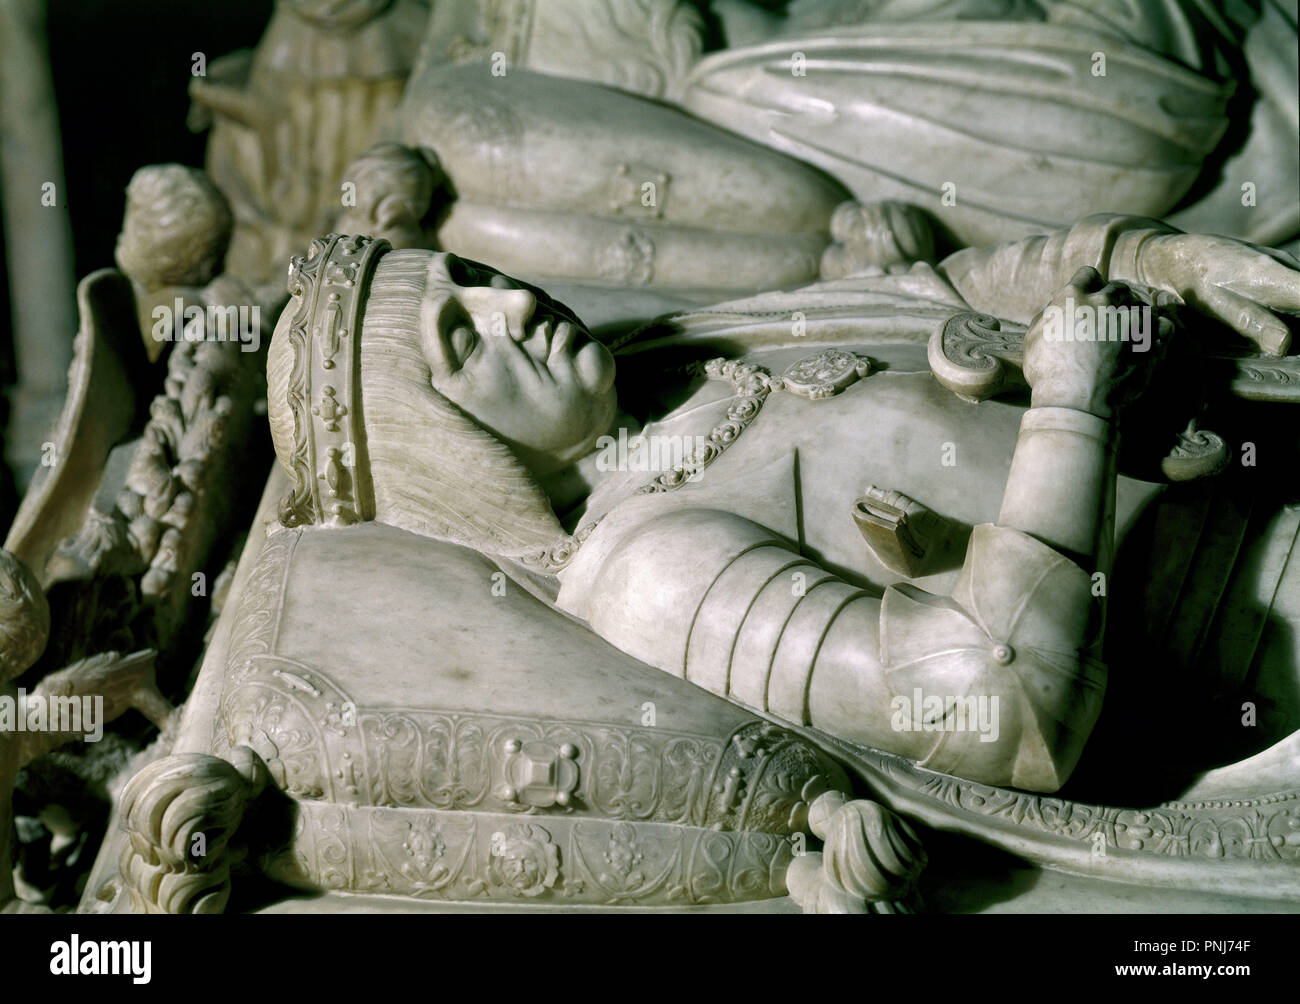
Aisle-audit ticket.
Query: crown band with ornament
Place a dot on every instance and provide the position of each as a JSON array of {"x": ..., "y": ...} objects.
[{"x": 331, "y": 486}]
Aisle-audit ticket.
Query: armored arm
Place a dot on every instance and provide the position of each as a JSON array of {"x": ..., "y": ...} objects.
[
  {"x": 1014, "y": 280},
  {"x": 1239, "y": 285},
  {"x": 718, "y": 600}
]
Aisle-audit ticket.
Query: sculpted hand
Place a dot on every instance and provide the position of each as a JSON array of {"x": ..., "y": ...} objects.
[
  {"x": 1079, "y": 354},
  {"x": 1233, "y": 282}
]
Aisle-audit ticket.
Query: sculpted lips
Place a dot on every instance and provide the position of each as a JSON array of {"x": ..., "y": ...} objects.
[
  {"x": 562, "y": 338},
  {"x": 559, "y": 336}
]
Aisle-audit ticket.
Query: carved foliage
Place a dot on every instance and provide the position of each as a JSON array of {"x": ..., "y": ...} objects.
[
  {"x": 562, "y": 860},
  {"x": 318, "y": 745},
  {"x": 1261, "y": 829}
]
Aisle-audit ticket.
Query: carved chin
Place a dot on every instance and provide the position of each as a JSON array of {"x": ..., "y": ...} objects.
[
  {"x": 602, "y": 419},
  {"x": 595, "y": 366}
]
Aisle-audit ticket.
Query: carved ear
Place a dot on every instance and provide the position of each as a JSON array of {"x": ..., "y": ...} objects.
[
  {"x": 438, "y": 175},
  {"x": 396, "y": 210}
]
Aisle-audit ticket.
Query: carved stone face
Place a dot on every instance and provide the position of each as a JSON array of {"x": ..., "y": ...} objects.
[{"x": 520, "y": 364}]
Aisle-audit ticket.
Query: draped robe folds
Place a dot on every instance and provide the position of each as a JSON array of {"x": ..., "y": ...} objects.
[
  {"x": 1026, "y": 116},
  {"x": 1001, "y": 120}
]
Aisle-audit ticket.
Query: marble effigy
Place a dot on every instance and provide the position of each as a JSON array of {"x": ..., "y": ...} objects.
[{"x": 682, "y": 500}]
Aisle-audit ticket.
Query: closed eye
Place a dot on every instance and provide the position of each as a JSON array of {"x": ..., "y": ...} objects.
[
  {"x": 470, "y": 273},
  {"x": 462, "y": 342}
]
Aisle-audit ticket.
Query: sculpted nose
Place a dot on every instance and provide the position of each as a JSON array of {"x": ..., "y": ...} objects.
[
  {"x": 518, "y": 306},
  {"x": 500, "y": 311}
]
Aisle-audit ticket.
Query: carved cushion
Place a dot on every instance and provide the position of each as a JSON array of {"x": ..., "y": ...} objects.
[
  {"x": 637, "y": 193},
  {"x": 430, "y": 715}
]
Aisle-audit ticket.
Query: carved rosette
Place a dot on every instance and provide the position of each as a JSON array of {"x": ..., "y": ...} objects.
[
  {"x": 824, "y": 374},
  {"x": 524, "y": 860}
]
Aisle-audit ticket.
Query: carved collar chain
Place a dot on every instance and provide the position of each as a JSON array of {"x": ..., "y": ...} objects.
[{"x": 816, "y": 377}]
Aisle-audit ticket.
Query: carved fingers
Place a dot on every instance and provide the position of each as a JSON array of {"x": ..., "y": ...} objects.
[
  {"x": 1237, "y": 284},
  {"x": 1092, "y": 347}
]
